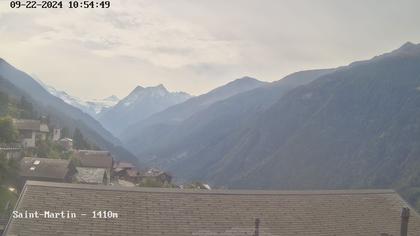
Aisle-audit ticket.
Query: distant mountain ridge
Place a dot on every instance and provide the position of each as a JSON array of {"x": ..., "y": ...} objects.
[
  {"x": 142, "y": 135},
  {"x": 165, "y": 145},
  {"x": 138, "y": 105}
]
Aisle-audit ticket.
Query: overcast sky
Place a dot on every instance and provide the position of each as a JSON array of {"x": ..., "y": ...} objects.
[{"x": 196, "y": 45}]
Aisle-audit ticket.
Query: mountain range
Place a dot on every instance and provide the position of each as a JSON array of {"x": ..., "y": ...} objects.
[
  {"x": 355, "y": 126},
  {"x": 116, "y": 114},
  {"x": 152, "y": 131},
  {"x": 182, "y": 133}
]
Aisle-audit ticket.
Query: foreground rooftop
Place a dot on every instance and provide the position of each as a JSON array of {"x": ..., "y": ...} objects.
[{"x": 150, "y": 211}]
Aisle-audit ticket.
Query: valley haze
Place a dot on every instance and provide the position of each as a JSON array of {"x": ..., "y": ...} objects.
[{"x": 210, "y": 117}]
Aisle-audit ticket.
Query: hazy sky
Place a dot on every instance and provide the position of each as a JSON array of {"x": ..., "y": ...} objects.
[{"x": 196, "y": 45}]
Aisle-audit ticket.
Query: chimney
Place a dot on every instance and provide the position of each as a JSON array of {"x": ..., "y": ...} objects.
[
  {"x": 405, "y": 215},
  {"x": 257, "y": 227}
]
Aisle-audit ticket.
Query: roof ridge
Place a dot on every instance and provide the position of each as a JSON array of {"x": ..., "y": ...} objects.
[{"x": 216, "y": 191}]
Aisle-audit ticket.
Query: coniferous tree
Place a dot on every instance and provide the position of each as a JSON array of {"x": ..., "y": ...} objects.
[
  {"x": 4, "y": 104},
  {"x": 65, "y": 133},
  {"x": 79, "y": 142},
  {"x": 8, "y": 170},
  {"x": 8, "y": 132},
  {"x": 27, "y": 109}
]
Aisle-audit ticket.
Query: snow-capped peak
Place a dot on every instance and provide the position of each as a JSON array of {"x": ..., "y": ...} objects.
[
  {"x": 106, "y": 102},
  {"x": 92, "y": 107},
  {"x": 138, "y": 105}
]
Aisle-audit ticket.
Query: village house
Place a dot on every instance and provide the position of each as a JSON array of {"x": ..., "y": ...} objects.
[
  {"x": 125, "y": 171},
  {"x": 44, "y": 169},
  {"x": 156, "y": 211},
  {"x": 30, "y": 131},
  {"x": 128, "y": 172},
  {"x": 158, "y": 175},
  {"x": 121, "y": 165},
  {"x": 95, "y": 160}
]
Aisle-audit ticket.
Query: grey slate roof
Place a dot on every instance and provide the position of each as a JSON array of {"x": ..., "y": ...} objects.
[
  {"x": 46, "y": 168},
  {"x": 177, "y": 212},
  {"x": 34, "y": 125},
  {"x": 94, "y": 159}
]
